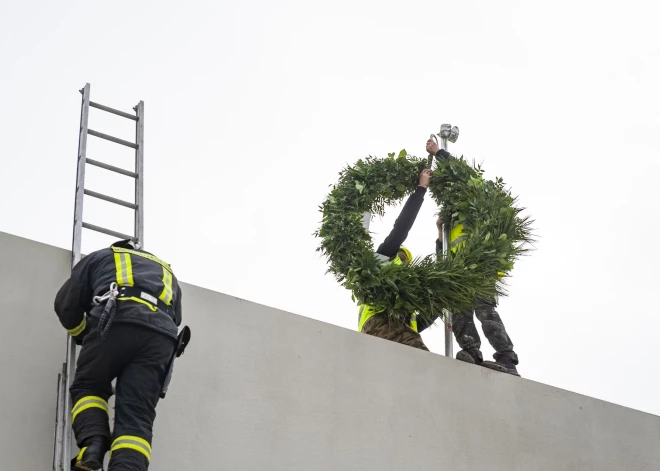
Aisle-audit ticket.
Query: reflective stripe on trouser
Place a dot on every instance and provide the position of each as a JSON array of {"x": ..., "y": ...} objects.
[
  {"x": 88, "y": 402},
  {"x": 131, "y": 442}
]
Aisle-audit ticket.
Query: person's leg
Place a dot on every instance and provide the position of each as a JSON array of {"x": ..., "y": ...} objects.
[
  {"x": 98, "y": 364},
  {"x": 467, "y": 337},
  {"x": 382, "y": 327},
  {"x": 497, "y": 336},
  {"x": 138, "y": 390}
]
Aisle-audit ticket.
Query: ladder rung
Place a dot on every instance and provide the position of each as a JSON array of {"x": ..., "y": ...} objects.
[
  {"x": 110, "y": 199},
  {"x": 113, "y": 111},
  {"x": 111, "y": 138},
  {"x": 102, "y": 230},
  {"x": 111, "y": 168}
]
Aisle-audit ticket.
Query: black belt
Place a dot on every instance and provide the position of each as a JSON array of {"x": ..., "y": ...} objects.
[{"x": 128, "y": 292}]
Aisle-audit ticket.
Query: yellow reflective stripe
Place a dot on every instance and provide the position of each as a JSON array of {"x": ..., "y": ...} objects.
[
  {"x": 143, "y": 255},
  {"x": 80, "y": 455},
  {"x": 456, "y": 237},
  {"x": 88, "y": 402},
  {"x": 413, "y": 322},
  {"x": 366, "y": 313},
  {"x": 132, "y": 443},
  {"x": 129, "y": 269},
  {"x": 124, "y": 268},
  {"x": 79, "y": 328},
  {"x": 139, "y": 300},
  {"x": 118, "y": 268},
  {"x": 167, "y": 294}
]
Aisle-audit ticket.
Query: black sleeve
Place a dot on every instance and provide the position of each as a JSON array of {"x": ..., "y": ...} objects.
[
  {"x": 178, "y": 314},
  {"x": 444, "y": 155},
  {"x": 75, "y": 296},
  {"x": 403, "y": 224}
]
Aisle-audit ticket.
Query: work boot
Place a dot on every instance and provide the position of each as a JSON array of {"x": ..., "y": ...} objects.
[
  {"x": 465, "y": 356},
  {"x": 91, "y": 456},
  {"x": 474, "y": 357},
  {"x": 491, "y": 365},
  {"x": 509, "y": 365}
]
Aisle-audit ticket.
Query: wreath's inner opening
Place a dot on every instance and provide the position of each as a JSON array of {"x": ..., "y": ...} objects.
[{"x": 421, "y": 237}]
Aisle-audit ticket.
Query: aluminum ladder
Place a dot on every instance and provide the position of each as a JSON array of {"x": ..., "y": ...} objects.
[{"x": 63, "y": 432}]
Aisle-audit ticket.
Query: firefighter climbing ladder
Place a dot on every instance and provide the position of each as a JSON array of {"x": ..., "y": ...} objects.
[{"x": 63, "y": 433}]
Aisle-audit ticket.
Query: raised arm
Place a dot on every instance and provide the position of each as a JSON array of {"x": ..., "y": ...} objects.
[{"x": 406, "y": 219}]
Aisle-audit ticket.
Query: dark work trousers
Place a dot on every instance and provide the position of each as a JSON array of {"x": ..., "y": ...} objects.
[
  {"x": 468, "y": 339},
  {"x": 138, "y": 357}
]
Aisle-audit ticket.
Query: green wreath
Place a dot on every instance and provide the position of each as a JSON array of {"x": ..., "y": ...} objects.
[{"x": 496, "y": 235}]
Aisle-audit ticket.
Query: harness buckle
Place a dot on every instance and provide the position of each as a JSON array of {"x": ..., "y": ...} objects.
[{"x": 111, "y": 294}]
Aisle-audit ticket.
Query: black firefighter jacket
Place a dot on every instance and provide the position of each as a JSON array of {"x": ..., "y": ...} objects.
[{"x": 154, "y": 299}]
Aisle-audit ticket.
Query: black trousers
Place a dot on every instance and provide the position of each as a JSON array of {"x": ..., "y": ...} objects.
[
  {"x": 468, "y": 339},
  {"x": 138, "y": 358}
]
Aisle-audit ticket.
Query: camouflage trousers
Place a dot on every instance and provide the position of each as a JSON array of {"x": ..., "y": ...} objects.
[
  {"x": 381, "y": 326},
  {"x": 468, "y": 339}
]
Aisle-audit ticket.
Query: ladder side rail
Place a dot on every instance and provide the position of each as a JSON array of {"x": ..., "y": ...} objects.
[
  {"x": 139, "y": 170},
  {"x": 70, "y": 360}
]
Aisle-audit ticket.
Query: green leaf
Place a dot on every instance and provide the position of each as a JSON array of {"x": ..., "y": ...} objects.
[
  {"x": 400, "y": 187},
  {"x": 403, "y": 154},
  {"x": 359, "y": 186},
  {"x": 502, "y": 237}
]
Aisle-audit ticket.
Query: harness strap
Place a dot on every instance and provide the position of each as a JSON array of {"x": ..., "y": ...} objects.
[{"x": 131, "y": 292}]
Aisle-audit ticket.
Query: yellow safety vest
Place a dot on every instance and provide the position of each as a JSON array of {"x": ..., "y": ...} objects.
[
  {"x": 367, "y": 311},
  {"x": 457, "y": 239}
]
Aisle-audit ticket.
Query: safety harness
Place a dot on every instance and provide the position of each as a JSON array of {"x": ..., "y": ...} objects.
[{"x": 125, "y": 293}]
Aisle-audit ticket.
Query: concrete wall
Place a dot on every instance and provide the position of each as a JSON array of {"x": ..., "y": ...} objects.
[{"x": 261, "y": 389}]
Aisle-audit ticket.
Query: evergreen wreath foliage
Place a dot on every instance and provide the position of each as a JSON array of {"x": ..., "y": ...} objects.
[{"x": 496, "y": 236}]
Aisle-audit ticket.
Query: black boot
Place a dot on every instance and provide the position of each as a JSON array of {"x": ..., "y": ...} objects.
[
  {"x": 474, "y": 356},
  {"x": 465, "y": 356},
  {"x": 491, "y": 365},
  {"x": 91, "y": 455},
  {"x": 509, "y": 365}
]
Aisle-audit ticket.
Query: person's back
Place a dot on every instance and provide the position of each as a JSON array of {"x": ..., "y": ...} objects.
[{"x": 123, "y": 305}]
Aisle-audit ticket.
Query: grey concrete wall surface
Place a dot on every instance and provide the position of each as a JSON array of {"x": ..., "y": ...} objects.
[{"x": 262, "y": 389}]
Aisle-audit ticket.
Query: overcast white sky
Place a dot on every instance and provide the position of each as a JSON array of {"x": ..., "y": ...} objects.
[{"x": 252, "y": 108}]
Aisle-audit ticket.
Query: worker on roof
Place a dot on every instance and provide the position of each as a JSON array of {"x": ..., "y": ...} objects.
[
  {"x": 464, "y": 327},
  {"x": 123, "y": 305},
  {"x": 377, "y": 323}
]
